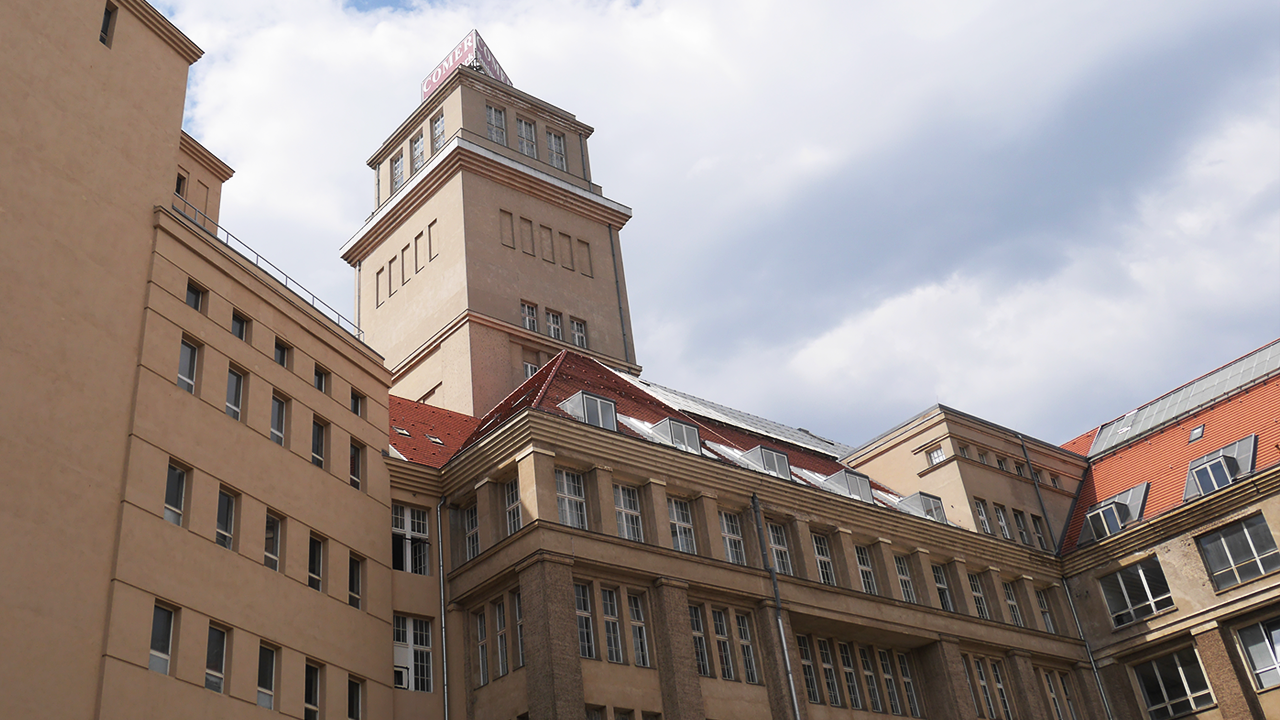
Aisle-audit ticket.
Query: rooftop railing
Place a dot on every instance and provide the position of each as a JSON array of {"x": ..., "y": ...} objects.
[{"x": 250, "y": 255}]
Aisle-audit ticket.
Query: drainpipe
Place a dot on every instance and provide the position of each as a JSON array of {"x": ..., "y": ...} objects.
[
  {"x": 1106, "y": 706},
  {"x": 617, "y": 284},
  {"x": 1048, "y": 526},
  {"x": 444, "y": 644},
  {"x": 777, "y": 604}
]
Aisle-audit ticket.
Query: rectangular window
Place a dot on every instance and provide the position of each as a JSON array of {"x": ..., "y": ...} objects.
[
  {"x": 639, "y": 637},
  {"x": 355, "y": 574},
  {"x": 1000, "y": 463},
  {"x": 500, "y": 630},
  {"x": 1011, "y": 599},
  {"x": 829, "y": 673},
  {"x": 909, "y": 686},
  {"x": 944, "y": 592},
  {"x": 1240, "y": 552},
  {"x": 235, "y": 392},
  {"x": 530, "y": 370},
  {"x": 215, "y": 659},
  {"x": 266, "y": 677},
  {"x": 1042, "y": 599},
  {"x": 1261, "y": 643},
  {"x": 778, "y": 548},
  {"x": 775, "y": 463},
  {"x": 397, "y": 172},
  {"x": 1136, "y": 592},
  {"x": 161, "y": 639},
  {"x": 700, "y": 659},
  {"x": 980, "y": 510},
  {"x": 890, "y": 686},
  {"x": 412, "y": 653},
  {"x": 936, "y": 456},
  {"x": 1020, "y": 521},
  {"x": 515, "y": 601},
  {"x": 526, "y": 138},
  {"x": 437, "y": 133},
  {"x": 571, "y": 499},
  {"x": 175, "y": 493},
  {"x": 315, "y": 563},
  {"x": 1066, "y": 694},
  {"x": 195, "y": 297},
  {"x": 1038, "y": 527},
  {"x": 681, "y": 526},
  {"x": 108, "y": 16},
  {"x": 357, "y": 464},
  {"x": 311, "y": 693},
  {"x": 497, "y": 121},
  {"x": 963, "y": 451},
  {"x": 850, "y": 671},
  {"x": 1017, "y": 468},
  {"x": 553, "y": 325},
  {"x": 224, "y": 531},
  {"x": 599, "y": 412},
  {"x": 904, "y": 578},
  {"x": 997, "y": 677},
  {"x": 355, "y": 699},
  {"x": 1053, "y": 696},
  {"x": 417, "y": 156},
  {"x": 626, "y": 503},
  {"x": 731, "y": 529},
  {"x": 187, "y": 367},
  {"x": 747, "y": 649},
  {"x": 806, "y": 669},
  {"x": 529, "y": 315},
  {"x": 409, "y": 540},
  {"x": 482, "y": 647},
  {"x": 586, "y": 635},
  {"x": 471, "y": 531},
  {"x": 318, "y": 432},
  {"x": 579, "y": 331},
  {"x": 282, "y": 354},
  {"x": 515, "y": 519},
  {"x": 822, "y": 554},
  {"x": 240, "y": 326},
  {"x": 979, "y": 598},
  {"x": 981, "y": 674},
  {"x": 321, "y": 380},
  {"x": 555, "y": 150},
  {"x": 612, "y": 628},
  {"x": 869, "y": 676},
  {"x": 865, "y": 571},
  {"x": 1002, "y": 520},
  {"x": 279, "y": 409},
  {"x": 271, "y": 549},
  {"x": 724, "y": 644}
]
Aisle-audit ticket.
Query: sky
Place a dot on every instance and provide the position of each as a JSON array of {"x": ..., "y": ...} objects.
[{"x": 1042, "y": 214}]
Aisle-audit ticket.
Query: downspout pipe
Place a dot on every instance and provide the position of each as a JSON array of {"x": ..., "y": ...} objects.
[
  {"x": 777, "y": 605},
  {"x": 1048, "y": 526},
  {"x": 1097, "y": 678},
  {"x": 444, "y": 643}
]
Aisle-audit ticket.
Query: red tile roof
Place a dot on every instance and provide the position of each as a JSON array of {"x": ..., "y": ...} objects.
[
  {"x": 423, "y": 421},
  {"x": 1081, "y": 445},
  {"x": 1162, "y": 458}
]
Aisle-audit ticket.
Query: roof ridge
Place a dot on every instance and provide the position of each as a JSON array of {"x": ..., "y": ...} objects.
[{"x": 557, "y": 361}]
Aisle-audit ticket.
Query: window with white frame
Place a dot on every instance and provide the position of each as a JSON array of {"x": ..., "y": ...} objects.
[
  {"x": 271, "y": 546},
  {"x": 279, "y": 412},
  {"x": 612, "y": 625},
  {"x": 519, "y": 613},
  {"x": 731, "y": 531},
  {"x": 997, "y": 677},
  {"x": 775, "y": 463},
  {"x": 1136, "y": 592},
  {"x": 1002, "y": 520},
  {"x": 410, "y": 542},
  {"x": 530, "y": 370},
  {"x": 979, "y": 597},
  {"x": 980, "y": 674},
  {"x": 515, "y": 518},
  {"x": 639, "y": 636},
  {"x": 683, "y": 437},
  {"x": 806, "y": 669},
  {"x": 869, "y": 677},
  {"x": 235, "y": 393},
  {"x": 865, "y": 570},
  {"x": 471, "y": 532},
  {"x": 850, "y": 670},
  {"x": 437, "y": 132},
  {"x": 1046, "y": 616},
  {"x": 529, "y": 316},
  {"x": 412, "y": 651},
  {"x": 417, "y": 156},
  {"x": 1240, "y": 552},
  {"x": 909, "y": 686},
  {"x": 829, "y": 673},
  {"x": 555, "y": 151},
  {"x": 936, "y": 456},
  {"x": 355, "y": 580},
  {"x": 266, "y": 677},
  {"x": 778, "y": 548},
  {"x": 626, "y": 505},
  {"x": 746, "y": 649},
  {"x": 500, "y": 636},
  {"x": 319, "y": 440},
  {"x": 571, "y": 499},
  {"x": 554, "y": 325},
  {"x": 681, "y": 525},
  {"x": 1038, "y": 527},
  {"x": 175, "y": 494},
  {"x": 586, "y": 634},
  {"x": 944, "y": 591},
  {"x": 1011, "y": 599},
  {"x": 1020, "y": 522},
  {"x": 225, "y": 526},
  {"x": 904, "y": 578},
  {"x": 526, "y": 138},
  {"x": 1261, "y": 643},
  {"x": 980, "y": 510},
  {"x": 724, "y": 644},
  {"x": 397, "y": 172},
  {"x": 497, "y": 121},
  {"x": 187, "y": 366},
  {"x": 161, "y": 639},
  {"x": 215, "y": 662},
  {"x": 1107, "y": 520},
  {"x": 700, "y": 659},
  {"x": 578, "y": 331},
  {"x": 315, "y": 563},
  {"x": 890, "y": 685},
  {"x": 822, "y": 554},
  {"x": 482, "y": 647}
]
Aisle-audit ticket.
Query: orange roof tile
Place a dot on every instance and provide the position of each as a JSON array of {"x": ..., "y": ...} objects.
[{"x": 422, "y": 422}]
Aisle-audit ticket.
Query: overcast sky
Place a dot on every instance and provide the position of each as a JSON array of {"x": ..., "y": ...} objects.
[{"x": 1043, "y": 214}]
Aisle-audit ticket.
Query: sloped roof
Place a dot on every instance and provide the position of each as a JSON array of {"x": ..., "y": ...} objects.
[
  {"x": 1080, "y": 445},
  {"x": 1162, "y": 457},
  {"x": 422, "y": 422}
]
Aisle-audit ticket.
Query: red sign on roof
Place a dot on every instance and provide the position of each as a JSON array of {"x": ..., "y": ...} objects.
[{"x": 471, "y": 49}]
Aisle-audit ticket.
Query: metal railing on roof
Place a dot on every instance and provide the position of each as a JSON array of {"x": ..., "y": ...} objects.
[{"x": 219, "y": 233}]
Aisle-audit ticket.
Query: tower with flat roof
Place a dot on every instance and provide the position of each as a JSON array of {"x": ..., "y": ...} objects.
[{"x": 490, "y": 249}]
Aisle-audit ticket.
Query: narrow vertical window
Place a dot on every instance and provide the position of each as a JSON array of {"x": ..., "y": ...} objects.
[
  {"x": 318, "y": 432},
  {"x": 500, "y": 631},
  {"x": 409, "y": 539},
  {"x": 271, "y": 551},
  {"x": 482, "y": 647},
  {"x": 612, "y": 629},
  {"x": 266, "y": 677},
  {"x": 579, "y": 330},
  {"x": 1261, "y": 643},
  {"x": 311, "y": 693},
  {"x": 1020, "y": 522},
  {"x": 980, "y": 509},
  {"x": 355, "y": 699},
  {"x": 829, "y": 673},
  {"x": 224, "y": 532},
  {"x": 497, "y": 121},
  {"x": 909, "y": 686},
  {"x": 1066, "y": 695},
  {"x": 979, "y": 598},
  {"x": 747, "y": 650},
  {"x": 553, "y": 325},
  {"x": 944, "y": 592},
  {"x": 700, "y": 659},
  {"x": 215, "y": 659},
  {"x": 586, "y": 635},
  {"x": 778, "y": 548},
  {"x": 890, "y": 686},
  {"x": 357, "y": 464},
  {"x": 526, "y": 138},
  {"x": 904, "y": 578},
  {"x": 822, "y": 553},
  {"x": 1037, "y": 526},
  {"x": 357, "y": 403},
  {"x": 997, "y": 676},
  {"x": 806, "y": 669},
  {"x": 240, "y": 326},
  {"x": 1042, "y": 599},
  {"x": 681, "y": 516},
  {"x": 1002, "y": 520},
  {"x": 278, "y": 415},
  {"x": 515, "y": 519},
  {"x": 175, "y": 493},
  {"x": 519, "y": 609},
  {"x": 626, "y": 502},
  {"x": 421, "y": 655},
  {"x": 872, "y": 683},
  {"x": 1181, "y": 708},
  {"x": 282, "y": 354},
  {"x": 195, "y": 297},
  {"x": 555, "y": 151},
  {"x": 639, "y": 637},
  {"x": 850, "y": 676},
  {"x": 315, "y": 564},
  {"x": 865, "y": 571},
  {"x": 981, "y": 675},
  {"x": 1011, "y": 599},
  {"x": 108, "y": 25},
  {"x": 397, "y": 172},
  {"x": 355, "y": 573},
  {"x": 187, "y": 367},
  {"x": 161, "y": 639},
  {"x": 235, "y": 389},
  {"x": 437, "y": 133},
  {"x": 724, "y": 646},
  {"x": 417, "y": 156},
  {"x": 471, "y": 531},
  {"x": 321, "y": 379},
  {"x": 731, "y": 530},
  {"x": 571, "y": 499},
  {"x": 529, "y": 316}
]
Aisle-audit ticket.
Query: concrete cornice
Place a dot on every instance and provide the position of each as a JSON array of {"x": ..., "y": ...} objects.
[
  {"x": 208, "y": 160},
  {"x": 411, "y": 476},
  {"x": 167, "y": 31}
]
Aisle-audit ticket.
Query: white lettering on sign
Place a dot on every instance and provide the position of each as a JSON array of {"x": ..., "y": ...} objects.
[{"x": 468, "y": 51}]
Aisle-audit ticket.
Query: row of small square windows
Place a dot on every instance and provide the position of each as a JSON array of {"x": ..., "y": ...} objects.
[
  {"x": 937, "y": 455},
  {"x": 526, "y": 137},
  {"x": 554, "y": 324},
  {"x": 1002, "y": 521}
]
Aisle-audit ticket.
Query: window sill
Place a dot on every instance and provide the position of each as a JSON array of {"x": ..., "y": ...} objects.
[
  {"x": 1147, "y": 619},
  {"x": 1250, "y": 581}
]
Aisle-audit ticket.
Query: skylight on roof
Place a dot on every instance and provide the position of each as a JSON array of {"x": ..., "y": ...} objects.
[
  {"x": 435, "y": 439},
  {"x": 401, "y": 431}
]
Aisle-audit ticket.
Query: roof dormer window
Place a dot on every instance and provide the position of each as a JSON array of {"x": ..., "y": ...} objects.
[
  {"x": 768, "y": 461},
  {"x": 852, "y": 484},
  {"x": 1107, "y": 520},
  {"x": 1112, "y": 515},
  {"x": 1219, "y": 468},
  {"x": 592, "y": 410},
  {"x": 681, "y": 436}
]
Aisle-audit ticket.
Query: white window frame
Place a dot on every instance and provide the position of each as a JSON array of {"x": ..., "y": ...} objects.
[
  {"x": 746, "y": 648},
  {"x": 1178, "y": 697},
  {"x": 578, "y": 332},
  {"x": 235, "y": 393},
  {"x": 997, "y": 677},
  {"x": 902, "y": 564},
  {"x": 1038, "y": 528},
  {"x": 311, "y": 692},
  {"x": 1011, "y": 599},
  {"x": 909, "y": 686},
  {"x": 272, "y": 540},
  {"x": 268, "y": 664},
  {"x": 936, "y": 456},
  {"x": 1126, "y": 607},
  {"x": 1046, "y": 615},
  {"x": 1002, "y": 520},
  {"x": 829, "y": 673},
  {"x": 702, "y": 663},
  {"x": 555, "y": 322},
  {"x": 500, "y": 636},
  {"x": 224, "y": 532},
  {"x": 471, "y": 532},
  {"x": 605, "y": 411},
  {"x": 626, "y": 506},
  {"x": 412, "y": 650},
  {"x": 279, "y": 418},
  {"x": 355, "y": 580},
  {"x": 1020, "y": 523},
  {"x": 849, "y": 667},
  {"x": 1224, "y": 568},
  {"x": 526, "y": 140},
  {"x": 979, "y": 597},
  {"x": 981, "y": 674},
  {"x": 778, "y": 550},
  {"x": 356, "y": 470},
  {"x": 571, "y": 499},
  {"x": 866, "y": 571},
  {"x": 639, "y": 634},
  {"x": 175, "y": 494},
  {"x": 188, "y": 365},
  {"x": 680, "y": 514},
  {"x": 555, "y": 151},
  {"x": 417, "y": 154},
  {"x": 161, "y": 653},
  {"x": 315, "y": 563},
  {"x": 980, "y": 508},
  {"x": 724, "y": 643},
  {"x": 397, "y": 172},
  {"x": 944, "y": 589},
  {"x": 871, "y": 680},
  {"x": 410, "y": 528},
  {"x": 215, "y": 659},
  {"x": 806, "y": 669},
  {"x": 515, "y": 515},
  {"x": 530, "y": 370},
  {"x": 496, "y": 119},
  {"x": 775, "y": 463},
  {"x": 822, "y": 554},
  {"x": 482, "y": 646},
  {"x": 1259, "y": 644},
  {"x": 319, "y": 442},
  {"x": 586, "y": 631},
  {"x": 529, "y": 316},
  {"x": 731, "y": 530},
  {"x": 437, "y": 133},
  {"x": 612, "y": 625},
  {"x": 890, "y": 684}
]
